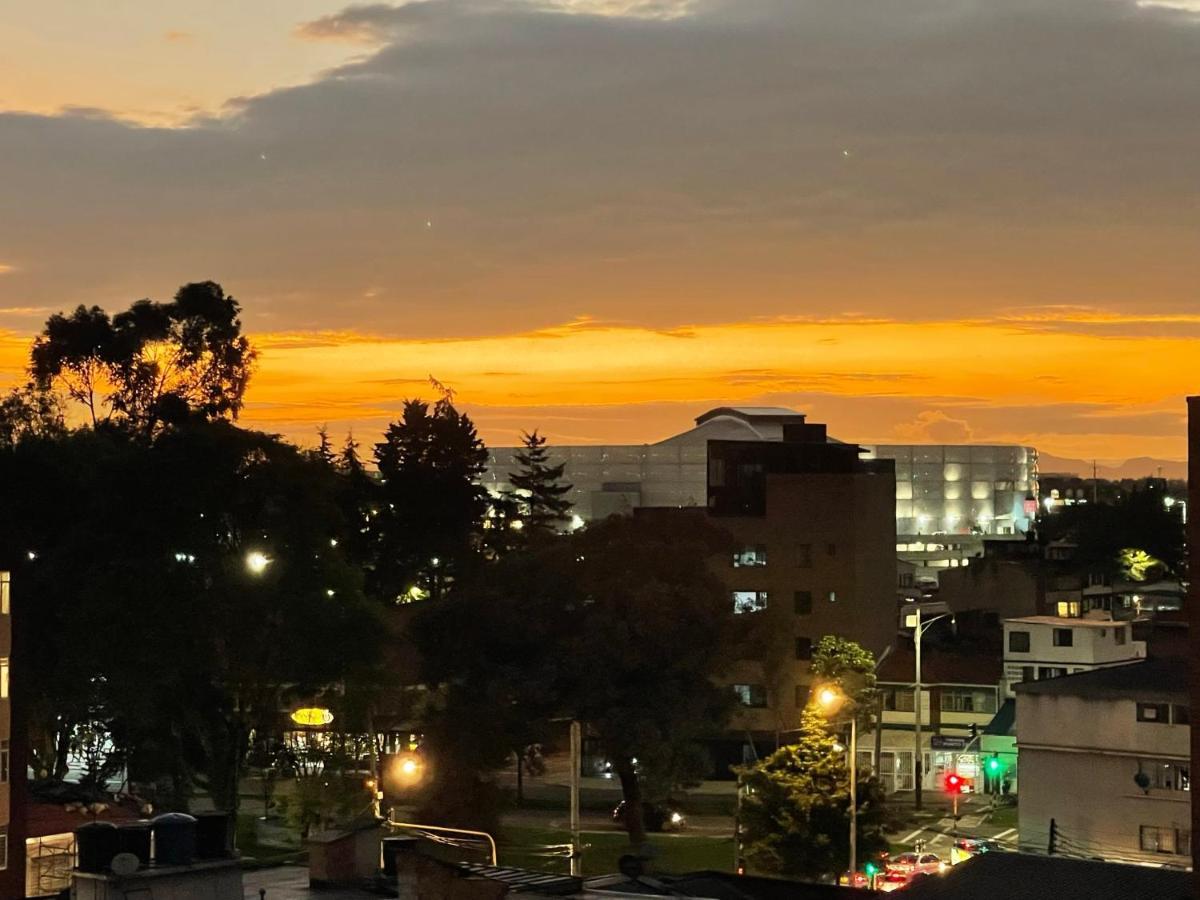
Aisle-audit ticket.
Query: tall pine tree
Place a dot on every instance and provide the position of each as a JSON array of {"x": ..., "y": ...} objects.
[{"x": 543, "y": 495}]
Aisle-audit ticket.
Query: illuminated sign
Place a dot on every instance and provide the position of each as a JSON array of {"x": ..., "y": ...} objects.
[{"x": 311, "y": 715}]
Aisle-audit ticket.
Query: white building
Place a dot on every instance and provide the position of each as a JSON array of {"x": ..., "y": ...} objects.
[
  {"x": 1038, "y": 647},
  {"x": 948, "y": 497},
  {"x": 1105, "y": 764}
]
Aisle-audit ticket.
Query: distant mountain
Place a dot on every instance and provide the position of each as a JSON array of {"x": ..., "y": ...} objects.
[{"x": 1139, "y": 467}]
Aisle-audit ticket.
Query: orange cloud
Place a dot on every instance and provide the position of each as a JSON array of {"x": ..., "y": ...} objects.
[{"x": 871, "y": 380}]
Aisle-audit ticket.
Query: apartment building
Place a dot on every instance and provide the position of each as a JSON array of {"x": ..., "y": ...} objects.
[
  {"x": 1105, "y": 763},
  {"x": 960, "y": 694},
  {"x": 814, "y": 536},
  {"x": 1040, "y": 647}
]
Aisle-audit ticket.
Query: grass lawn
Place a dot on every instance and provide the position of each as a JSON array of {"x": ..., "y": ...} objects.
[{"x": 519, "y": 846}]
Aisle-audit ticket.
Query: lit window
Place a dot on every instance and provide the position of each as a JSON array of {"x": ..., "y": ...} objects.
[
  {"x": 755, "y": 555},
  {"x": 749, "y": 601},
  {"x": 4, "y": 678},
  {"x": 751, "y": 695},
  {"x": 5, "y": 587},
  {"x": 1067, "y": 609}
]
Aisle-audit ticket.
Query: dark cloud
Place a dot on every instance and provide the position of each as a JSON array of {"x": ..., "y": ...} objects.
[{"x": 493, "y": 165}]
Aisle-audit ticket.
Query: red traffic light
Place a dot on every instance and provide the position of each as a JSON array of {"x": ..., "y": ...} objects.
[{"x": 954, "y": 783}]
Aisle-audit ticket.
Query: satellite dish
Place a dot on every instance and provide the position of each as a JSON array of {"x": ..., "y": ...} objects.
[{"x": 125, "y": 864}]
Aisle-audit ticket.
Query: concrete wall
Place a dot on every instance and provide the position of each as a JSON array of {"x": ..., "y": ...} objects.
[
  {"x": 1095, "y": 804},
  {"x": 1078, "y": 758}
]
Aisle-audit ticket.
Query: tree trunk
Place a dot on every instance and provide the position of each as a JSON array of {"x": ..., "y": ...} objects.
[
  {"x": 631, "y": 790},
  {"x": 520, "y": 777}
]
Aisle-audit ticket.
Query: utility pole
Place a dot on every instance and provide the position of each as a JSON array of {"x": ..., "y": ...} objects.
[
  {"x": 576, "y": 766},
  {"x": 853, "y": 792},
  {"x": 917, "y": 773}
]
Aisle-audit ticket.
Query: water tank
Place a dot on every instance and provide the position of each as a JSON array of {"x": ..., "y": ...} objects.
[
  {"x": 134, "y": 837},
  {"x": 213, "y": 839},
  {"x": 96, "y": 844},
  {"x": 174, "y": 839}
]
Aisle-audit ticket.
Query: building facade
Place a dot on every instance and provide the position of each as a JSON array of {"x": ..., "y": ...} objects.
[
  {"x": 1105, "y": 763},
  {"x": 948, "y": 498},
  {"x": 1039, "y": 647},
  {"x": 960, "y": 695}
]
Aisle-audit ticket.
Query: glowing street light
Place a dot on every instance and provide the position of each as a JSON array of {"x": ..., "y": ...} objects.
[{"x": 257, "y": 562}]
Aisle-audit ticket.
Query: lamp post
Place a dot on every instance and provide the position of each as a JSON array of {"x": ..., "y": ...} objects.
[
  {"x": 918, "y": 633},
  {"x": 832, "y": 699}
]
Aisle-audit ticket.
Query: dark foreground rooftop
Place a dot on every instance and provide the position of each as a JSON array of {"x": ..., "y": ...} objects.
[
  {"x": 1166, "y": 676},
  {"x": 1022, "y": 876}
]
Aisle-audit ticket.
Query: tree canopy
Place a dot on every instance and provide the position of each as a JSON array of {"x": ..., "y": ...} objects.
[
  {"x": 615, "y": 626},
  {"x": 152, "y": 363}
]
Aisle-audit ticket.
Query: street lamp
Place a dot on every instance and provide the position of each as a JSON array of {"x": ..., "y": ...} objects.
[
  {"x": 257, "y": 562},
  {"x": 831, "y": 699},
  {"x": 919, "y": 630}
]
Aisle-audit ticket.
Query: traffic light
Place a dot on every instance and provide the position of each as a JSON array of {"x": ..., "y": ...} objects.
[
  {"x": 994, "y": 766},
  {"x": 871, "y": 869},
  {"x": 954, "y": 783}
]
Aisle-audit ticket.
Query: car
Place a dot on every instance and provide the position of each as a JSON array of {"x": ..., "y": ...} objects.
[
  {"x": 965, "y": 848},
  {"x": 655, "y": 817},
  {"x": 913, "y": 863},
  {"x": 893, "y": 880}
]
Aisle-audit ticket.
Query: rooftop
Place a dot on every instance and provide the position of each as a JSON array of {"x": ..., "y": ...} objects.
[
  {"x": 1023, "y": 876},
  {"x": 966, "y": 665},
  {"x": 1166, "y": 677},
  {"x": 1063, "y": 622},
  {"x": 775, "y": 414}
]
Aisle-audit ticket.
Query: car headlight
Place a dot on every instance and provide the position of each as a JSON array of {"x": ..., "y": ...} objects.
[{"x": 676, "y": 818}]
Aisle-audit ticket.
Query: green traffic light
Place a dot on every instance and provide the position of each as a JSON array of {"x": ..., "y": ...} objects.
[
  {"x": 994, "y": 766},
  {"x": 871, "y": 869}
]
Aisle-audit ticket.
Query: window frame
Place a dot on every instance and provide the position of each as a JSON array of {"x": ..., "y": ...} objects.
[
  {"x": 1019, "y": 634},
  {"x": 1162, "y": 713},
  {"x": 1063, "y": 637}
]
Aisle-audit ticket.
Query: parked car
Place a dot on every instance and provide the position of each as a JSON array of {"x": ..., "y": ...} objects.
[{"x": 655, "y": 817}]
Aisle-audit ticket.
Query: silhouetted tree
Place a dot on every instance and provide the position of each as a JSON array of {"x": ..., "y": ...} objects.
[
  {"x": 619, "y": 626},
  {"x": 428, "y": 526},
  {"x": 29, "y": 411},
  {"x": 151, "y": 364},
  {"x": 543, "y": 499}
]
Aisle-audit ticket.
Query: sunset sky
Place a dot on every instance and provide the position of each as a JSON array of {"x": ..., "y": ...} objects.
[{"x": 939, "y": 220}]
